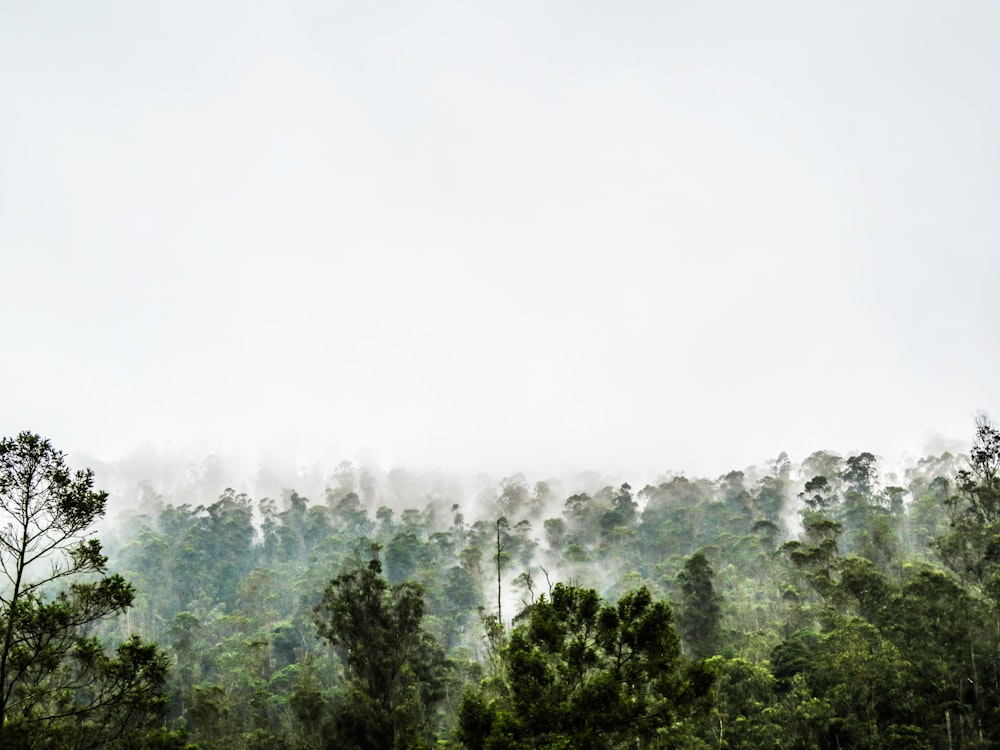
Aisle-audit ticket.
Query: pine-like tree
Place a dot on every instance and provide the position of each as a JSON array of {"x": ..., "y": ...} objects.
[
  {"x": 59, "y": 685},
  {"x": 699, "y": 613}
]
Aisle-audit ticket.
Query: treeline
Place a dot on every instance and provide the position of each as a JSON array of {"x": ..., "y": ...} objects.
[{"x": 818, "y": 605}]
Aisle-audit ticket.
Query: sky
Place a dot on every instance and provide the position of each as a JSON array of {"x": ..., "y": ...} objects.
[{"x": 500, "y": 236}]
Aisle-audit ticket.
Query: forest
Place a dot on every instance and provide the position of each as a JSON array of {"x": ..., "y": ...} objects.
[{"x": 824, "y": 603}]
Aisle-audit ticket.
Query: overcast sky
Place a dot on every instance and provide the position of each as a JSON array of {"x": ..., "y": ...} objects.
[{"x": 500, "y": 236}]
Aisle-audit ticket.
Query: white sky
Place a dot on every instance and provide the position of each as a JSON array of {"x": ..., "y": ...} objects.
[{"x": 500, "y": 236}]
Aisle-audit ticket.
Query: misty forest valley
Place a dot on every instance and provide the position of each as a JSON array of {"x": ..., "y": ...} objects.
[{"x": 822, "y": 602}]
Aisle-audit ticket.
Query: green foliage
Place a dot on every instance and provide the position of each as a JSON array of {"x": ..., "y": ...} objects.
[
  {"x": 699, "y": 612},
  {"x": 972, "y": 545},
  {"x": 394, "y": 669},
  {"x": 581, "y": 673},
  {"x": 59, "y": 685},
  {"x": 846, "y": 632},
  {"x": 742, "y": 694}
]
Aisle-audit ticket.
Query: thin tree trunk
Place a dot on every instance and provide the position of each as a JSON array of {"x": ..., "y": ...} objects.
[
  {"x": 8, "y": 637},
  {"x": 499, "y": 589}
]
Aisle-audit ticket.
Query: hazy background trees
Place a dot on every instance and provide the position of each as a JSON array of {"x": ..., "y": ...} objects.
[{"x": 823, "y": 604}]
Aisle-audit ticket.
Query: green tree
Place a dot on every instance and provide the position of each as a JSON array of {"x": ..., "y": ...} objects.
[
  {"x": 868, "y": 684},
  {"x": 971, "y": 547},
  {"x": 699, "y": 613},
  {"x": 818, "y": 495},
  {"x": 741, "y": 696},
  {"x": 59, "y": 685},
  {"x": 395, "y": 671},
  {"x": 942, "y": 630},
  {"x": 581, "y": 673}
]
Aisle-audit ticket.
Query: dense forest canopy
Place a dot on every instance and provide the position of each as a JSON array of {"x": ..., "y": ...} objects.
[{"x": 818, "y": 604}]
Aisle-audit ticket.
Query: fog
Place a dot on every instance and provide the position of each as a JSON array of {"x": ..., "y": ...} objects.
[{"x": 498, "y": 237}]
